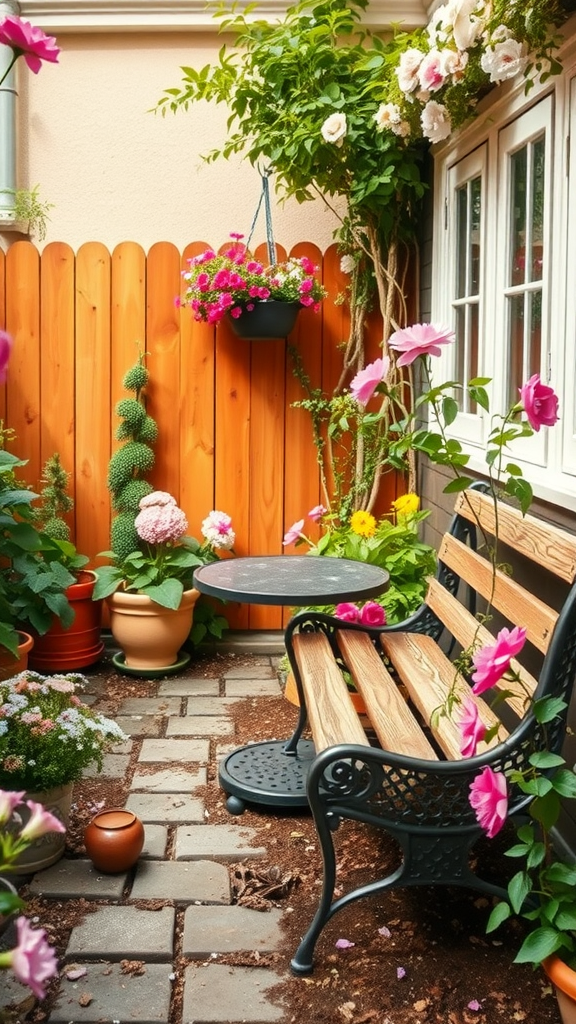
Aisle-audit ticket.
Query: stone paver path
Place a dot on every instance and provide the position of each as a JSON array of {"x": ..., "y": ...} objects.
[{"x": 187, "y": 722}]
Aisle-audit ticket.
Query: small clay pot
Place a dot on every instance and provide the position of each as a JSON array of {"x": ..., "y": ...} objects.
[{"x": 114, "y": 840}]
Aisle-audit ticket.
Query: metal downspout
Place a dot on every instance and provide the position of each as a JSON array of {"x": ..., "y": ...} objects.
[{"x": 7, "y": 124}]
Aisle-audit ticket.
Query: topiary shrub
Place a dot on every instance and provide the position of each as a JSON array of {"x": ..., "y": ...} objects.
[{"x": 131, "y": 463}]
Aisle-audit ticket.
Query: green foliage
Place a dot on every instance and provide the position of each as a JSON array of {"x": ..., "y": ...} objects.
[
  {"x": 30, "y": 209},
  {"x": 207, "y": 623},
  {"x": 162, "y": 575},
  {"x": 55, "y": 503},
  {"x": 123, "y": 536},
  {"x": 129, "y": 498}
]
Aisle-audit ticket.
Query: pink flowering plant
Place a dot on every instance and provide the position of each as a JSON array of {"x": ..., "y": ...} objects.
[
  {"x": 32, "y": 961},
  {"x": 48, "y": 736},
  {"x": 163, "y": 567},
  {"x": 25, "y": 40},
  {"x": 233, "y": 281},
  {"x": 542, "y": 891}
]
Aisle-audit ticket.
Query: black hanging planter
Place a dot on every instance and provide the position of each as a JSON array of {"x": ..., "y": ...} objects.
[{"x": 269, "y": 319}]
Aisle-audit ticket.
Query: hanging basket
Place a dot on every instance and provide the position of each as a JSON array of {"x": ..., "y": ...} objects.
[{"x": 269, "y": 319}]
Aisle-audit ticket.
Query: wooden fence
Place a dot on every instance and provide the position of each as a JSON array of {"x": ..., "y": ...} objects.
[{"x": 229, "y": 437}]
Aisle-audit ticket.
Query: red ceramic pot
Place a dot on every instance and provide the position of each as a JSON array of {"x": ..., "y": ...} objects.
[{"x": 114, "y": 840}]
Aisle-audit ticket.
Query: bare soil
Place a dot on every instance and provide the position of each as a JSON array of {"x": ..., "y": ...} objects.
[{"x": 416, "y": 956}]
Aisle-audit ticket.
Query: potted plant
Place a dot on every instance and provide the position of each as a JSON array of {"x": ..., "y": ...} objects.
[
  {"x": 150, "y": 592},
  {"x": 257, "y": 301},
  {"x": 47, "y": 738},
  {"x": 79, "y": 644}
]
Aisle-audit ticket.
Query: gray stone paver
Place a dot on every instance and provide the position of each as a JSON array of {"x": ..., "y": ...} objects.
[
  {"x": 114, "y": 766},
  {"x": 175, "y": 750},
  {"x": 78, "y": 878},
  {"x": 228, "y": 930},
  {"x": 209, "y": 705},
  {"x": 144, "y": 998},
  {"x": 226, "y": 842},
  {"x": 252, "y": 687},
  {"x": 264, "y": 671},
  {"x": 117, "y": 933},
  {"x": 141, "y": 725},
  {"x": 199, "y": 725},
  {"x": 169, "y": 781},
  {"x": 155, "y": 841},
  {"x": 219, "y": 994},
  {"x": 162, "y": 808},
  {"x": 185, "y": 882},
  {"x": 150, "y": 706},
  {"x": 189, "y": 687}
]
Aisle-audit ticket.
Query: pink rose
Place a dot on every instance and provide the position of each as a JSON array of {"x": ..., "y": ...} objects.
[
  {"x": 294, "y": 533},
  {"x": 493, "y": 661},
  {"x": 540, "y": 403},
  {"x": 347, "y": 612},
  {"x": 372, "y": 614},
  {"x": 489, "y": 799},
  {"x": 31, "y": 42},
  {"x": 364, "y": 384},
  {"x": 33, "y": 960},
  {"x": 473, "y": 729},
  {"x": 430, "y": 73},
  {"x": 420, "y": 340}
]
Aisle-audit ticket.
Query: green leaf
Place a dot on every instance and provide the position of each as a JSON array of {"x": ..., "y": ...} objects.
[
  {"x": 564, "y": 783},
  {"x": 559, "y": 872},
  {"x": 168, "y": 594},
  {"x": 547, "y": 708},
  {"x": 518, "y": 889},
  {"x": 542, "y": 942},
  {"x": 461, "y": 483},
  {"x": 544, "y": 759},
  {"x": 546, "y": 810},
  {"x": 449, "y": 410},
  {"x": 500, "y": 913},
  {"x": 480, "y": 396},
  {"x": 107, "y": 581}
]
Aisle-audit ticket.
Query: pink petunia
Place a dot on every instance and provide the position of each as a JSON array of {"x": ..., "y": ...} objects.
[
  {"x": 493, "y": 661},
  {"x": 473, "y": 729},
  {"x": 372, "y": 614},
  {"x": 364, "y": 384},
  {"x": 540, "y": 403},
  {"x": 294, "y": 533},
  {"x": 489, "y": 799},
  {"x": 33, "y": 960},
  {"x": 420, "y": 340},
  {"x": 347, "y": 612},
  {"x": 6, "y": 343},
  {"x": 317, "y": 512},
  {"x": 28, "y": 41},
  {"x": 40, "y": 822},
  {"x": 9, "y": 800}
]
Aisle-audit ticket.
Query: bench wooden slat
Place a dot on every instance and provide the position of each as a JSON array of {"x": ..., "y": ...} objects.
[
  {"x": 389, "y": 714},
  {"x": 541, "y": 542},
  {"x": 508, "y": 597},
  {"x": 429, "y": 676},
  {"x": 469, "y": 632},
  {"x": 332, "y": 718}
]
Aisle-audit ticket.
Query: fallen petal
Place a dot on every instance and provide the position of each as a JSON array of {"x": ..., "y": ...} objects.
[
  {"x": 385, "y": 932},
  {"x": 77, "y": 972},
  {"x": 344, "y": 944},
  {"x": 400, "y": 973},
  {"x": 474, "y": 1005}
]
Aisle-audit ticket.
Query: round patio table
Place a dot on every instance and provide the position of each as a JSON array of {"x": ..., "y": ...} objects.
[{"x": 272, "y": 772}]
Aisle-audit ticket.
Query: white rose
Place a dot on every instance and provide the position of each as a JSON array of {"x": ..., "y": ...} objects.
[
  {"x": 347, "y": 264},
  {"x": 500, "y": 35},
  {"x": 505, "y": 60},
  {"x": 435, "y": 121},
  {"x": 407, "y": 70},
  {"x": 466, "y": 29},
  {"x": 387, "y": 115},
  {"x": 334, "y": 129},
  {"x": 453, "y": 63},
  {"x": 430, "y": 74}
]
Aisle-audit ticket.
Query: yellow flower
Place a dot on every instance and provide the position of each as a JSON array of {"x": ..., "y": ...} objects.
[
  {"x": 363, "y": 523},
  {"x": 407, "y": 504}
]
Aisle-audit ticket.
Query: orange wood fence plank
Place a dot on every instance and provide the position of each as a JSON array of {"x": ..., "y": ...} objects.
[
  {"x": 163, "y": 361},
  {"x": 23, "y": 323}
]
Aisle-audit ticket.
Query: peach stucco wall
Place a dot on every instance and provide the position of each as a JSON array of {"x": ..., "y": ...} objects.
[{"x": 115, "y": 171}]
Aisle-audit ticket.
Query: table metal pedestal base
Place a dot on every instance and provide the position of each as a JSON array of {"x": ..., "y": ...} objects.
[{"x": 262, "y": 773}]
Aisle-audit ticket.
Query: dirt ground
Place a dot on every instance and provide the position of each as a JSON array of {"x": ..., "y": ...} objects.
[{"x": 412, "y": 956}]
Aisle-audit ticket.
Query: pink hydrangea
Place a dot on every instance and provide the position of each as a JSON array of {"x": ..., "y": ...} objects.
[
  {"x": 494, "y": 660},
  {"x": 420, "y": 340},
  {"x": 540, "y": 403},
  {"x": 31, "y": 42},
  {"x": 158, "y": 524},
  {"x": 372, "y": 614},
  {"x": 364, "y": 384},
  {"x": 489, "y": 799},
  {"x": 156, "y": 498},
  {"x": 472, "y": 728},
  {"x": 347, "y": 612}
]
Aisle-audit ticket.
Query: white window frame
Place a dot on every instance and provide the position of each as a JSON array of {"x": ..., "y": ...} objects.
[{"x": 549, "y": 458}]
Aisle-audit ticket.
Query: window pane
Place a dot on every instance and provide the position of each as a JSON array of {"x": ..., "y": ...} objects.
[
  {"x": 537, "y": 261},
  {"x": 475, "y": 198},
  {"x": 515, "y": 345},
  {"x": 518, "y": 169},
  {"x": 535, "y": 358},
  {"x": 462, "y": 239},
  {"x": 460, "y": 351}
]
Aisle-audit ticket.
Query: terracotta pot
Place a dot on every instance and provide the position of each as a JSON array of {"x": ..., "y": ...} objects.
[
  {"x": 114, "y": 840},
  {"x": 150, "y": 635},
  {"x": 47, "y": 849},
  {"x": 63, "y": 650},
  {"x": 268, "y": 319},
  {"x": 291, "y": 694},
  {"x": 564, "y": 980},
  {"x": 10, "y": 664}
]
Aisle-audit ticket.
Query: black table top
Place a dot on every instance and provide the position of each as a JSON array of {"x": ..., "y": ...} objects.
[{"x": 290, "y": 580}]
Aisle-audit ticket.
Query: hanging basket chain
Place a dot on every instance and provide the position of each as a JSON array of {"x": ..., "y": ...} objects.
[{"x": 265, "y": 198}]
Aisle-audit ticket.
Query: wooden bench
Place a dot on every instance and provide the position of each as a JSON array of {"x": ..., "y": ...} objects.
[{"x": 404, "y": 772}]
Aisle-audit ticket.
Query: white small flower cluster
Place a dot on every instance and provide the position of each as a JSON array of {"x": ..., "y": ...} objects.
[{"x": 217, "y": 529}]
